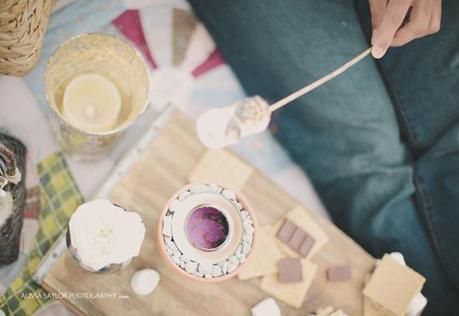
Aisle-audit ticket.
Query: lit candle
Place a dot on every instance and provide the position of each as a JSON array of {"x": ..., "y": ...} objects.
[{"x": 92, "y": 103}]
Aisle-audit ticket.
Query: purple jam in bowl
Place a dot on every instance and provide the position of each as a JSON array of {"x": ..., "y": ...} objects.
[{"x": 207, "y": 227}]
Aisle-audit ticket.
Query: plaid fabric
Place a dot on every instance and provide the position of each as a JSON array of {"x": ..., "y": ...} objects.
[
  {"x": 59, "y": 198},
  {"x": 32, "y": 206}
]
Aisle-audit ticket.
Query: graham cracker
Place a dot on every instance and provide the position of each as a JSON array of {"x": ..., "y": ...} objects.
[
  {"x": 392, "y": 286},
  {"x": 300, "y": 217},
  {"x": 265, "y": 256},
  {"x": 371, "y": 309},
  {"x": 290, "y": 293},
  {"x": 221, "y": 167}
]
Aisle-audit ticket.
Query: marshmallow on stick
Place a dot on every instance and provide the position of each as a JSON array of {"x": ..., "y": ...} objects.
[{"x": 218, "y": 128}]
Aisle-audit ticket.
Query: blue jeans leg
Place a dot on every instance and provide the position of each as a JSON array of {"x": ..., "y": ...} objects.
[
  {"x": 423, "y": 78},
  {"x": 345, "y": 134}
]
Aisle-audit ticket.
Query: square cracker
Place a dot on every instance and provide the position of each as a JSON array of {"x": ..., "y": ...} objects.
[
  {"x": 371, "y": 309},
  {"x": 290, "y": 293},
  {"x": 265, "y": 256},
  {"x": 222, "y": 168},
  {"x": 300, "y": 217},
  {"x": 392, "y": 286}
]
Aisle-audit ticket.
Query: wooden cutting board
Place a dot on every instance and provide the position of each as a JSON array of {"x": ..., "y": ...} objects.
[{"x": 159, "y": 170}]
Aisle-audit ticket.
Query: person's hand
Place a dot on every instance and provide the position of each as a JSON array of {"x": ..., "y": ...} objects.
[{"x": 397, "y": 22}]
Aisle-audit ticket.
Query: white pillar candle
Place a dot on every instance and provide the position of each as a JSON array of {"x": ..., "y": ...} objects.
[
  {"x": 104, "y": 234},
  {"x": 92, "y": 103}
]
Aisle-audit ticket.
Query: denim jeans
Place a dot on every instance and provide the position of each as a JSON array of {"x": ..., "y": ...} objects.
[{"x": 381, "y": 142}]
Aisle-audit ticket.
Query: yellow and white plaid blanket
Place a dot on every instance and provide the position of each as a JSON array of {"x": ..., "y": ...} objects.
[{"x": 59, "y": 199}]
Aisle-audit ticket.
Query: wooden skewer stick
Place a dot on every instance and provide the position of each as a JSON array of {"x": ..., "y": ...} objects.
[{"x": 295, "y": 95}]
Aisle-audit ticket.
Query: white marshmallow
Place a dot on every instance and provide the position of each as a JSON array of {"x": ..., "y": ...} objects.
[
  {"x": 397, "y": 256},
  {"x": 246, "y": 216},
  {"x": 167, "y": 226},
  {"x": 417, "y": 305},
  {"x": 216, "y": 271},
  {"x": 169, "y": 242},
  {"x": 248, "y": 229},
  {"x": 214, "y": 188},
  {"x": 267, "y": 307},
  {"x": 174, "y": 206},
  {"x": 224, "y": 266},
  {"x": 144, "y": 282},
  {"x": 218, "y": 128},
  {"x": 184, "y": 195},
  {"x": 211, "y": 128},
  {"x": 191, "y": 267},
  {"x": 199, "y": 188},
  {"x": 233, "y": 259},
  {"x": 246, "y": 247},
  {"x": 205, "y": 268},
  {"x": 232, "y": 267},
  {"x": 176, "y": 260},
  {"x": 229, "y": 194}
]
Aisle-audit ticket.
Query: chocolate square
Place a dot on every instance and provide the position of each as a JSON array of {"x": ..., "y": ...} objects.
[
  {"x": 290, "y": 270},
  {"x": 339, "y": 273},
  {"x": 306, "y": 246},
  {"x": 286, "y": 231},
  {"x": 297, "y": 239}
]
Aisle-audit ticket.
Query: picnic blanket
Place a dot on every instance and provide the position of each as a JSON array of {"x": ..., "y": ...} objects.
[{"x": 187, "y": 71}]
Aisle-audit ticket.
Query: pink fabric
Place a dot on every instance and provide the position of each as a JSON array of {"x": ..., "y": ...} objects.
[
  {"x": 215, "y": 59},
  {"x": 129, "y": 24}
]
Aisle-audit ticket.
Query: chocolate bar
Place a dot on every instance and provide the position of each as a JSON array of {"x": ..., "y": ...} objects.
[
  {"x": 290, "y": 270},
  {"x": 296, "y": 238},
  {"x": 286, "y": 231},
  {"x": 339, "y": 273},
  {"x": 306, "y": 246}
]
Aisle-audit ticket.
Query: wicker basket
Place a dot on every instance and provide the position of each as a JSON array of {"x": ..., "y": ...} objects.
[
  {"x": 10, "y": 232},
  {"x": 23, "y": 24}
]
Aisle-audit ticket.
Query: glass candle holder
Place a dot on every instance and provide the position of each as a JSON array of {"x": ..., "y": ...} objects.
[
  {"x": 105, "y": 79},
  {"x": 113, "y": 267}
]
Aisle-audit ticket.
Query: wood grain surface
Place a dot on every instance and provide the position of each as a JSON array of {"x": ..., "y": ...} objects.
[{"x": 159, "y": 172}]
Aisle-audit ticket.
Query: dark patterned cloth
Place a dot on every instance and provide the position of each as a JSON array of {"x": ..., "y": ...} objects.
[
  {"x": 59, "y": 199},
  {"x": 13, "y": 157}
]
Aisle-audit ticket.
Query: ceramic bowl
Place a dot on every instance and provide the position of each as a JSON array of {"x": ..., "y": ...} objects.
[{"x": 163, "y": 249}]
